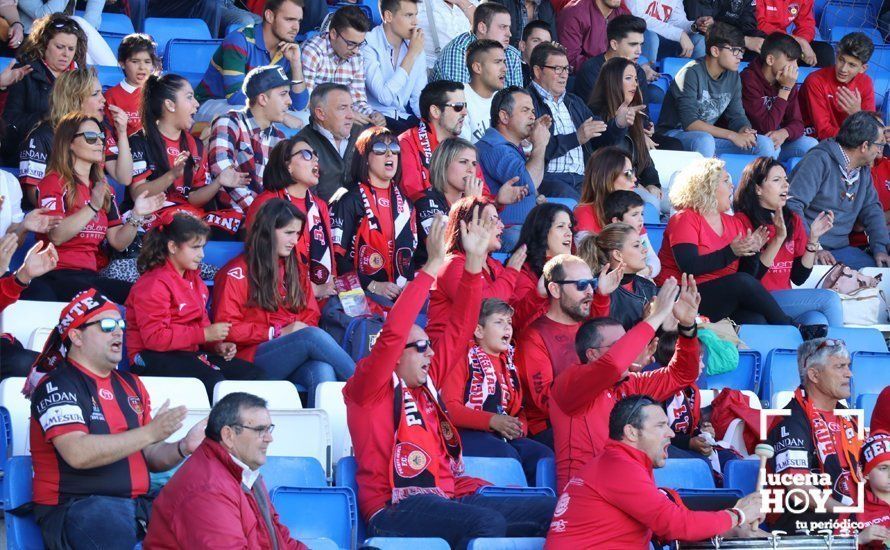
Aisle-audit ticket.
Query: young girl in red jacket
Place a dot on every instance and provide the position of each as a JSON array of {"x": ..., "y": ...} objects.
[
  {"x": 875, "y": 462},
  {"x": 266, "y": 298},
  {"x": 292, "y": 174},
  {"x": 168, "y": 330}
]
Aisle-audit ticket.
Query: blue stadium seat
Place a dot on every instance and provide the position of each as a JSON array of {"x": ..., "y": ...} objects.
[
  {"x": 672, "y": 65},
  {"x": 687, "y": 473},
  {"x": 781, "y": 374},
  {"x": 545, "y": 475},
  {"x": 860, "y": 339},
  {"x": 765, "y": 338},
  {"x": 651, "y": 214},
  {"x": 735, "y": 164},
  {"x": 292, "y": 471},
  {"x": 19, "y": 256},
  {"x": 190, "y": 58},
  {"x": 656, "y": 235},
  {"x": 164, "y": 29},
  {"x": 113, "y": 39},
  {"x": 506, "y": 544},
  {"x": 501, "y": 472},
  {"x": 22, "y": 532},
  {"x": 344, "y": 476},
  {"x": 319, "y": 513},
  {"x": 871, "y": 373},
  {"x": 654, "y": 110},
  {"x": 565, "y": 201},
  {"x": 405, "y": 543},
  {"x": 109, "y": 76},
  {"x": 219, "y": 253},
  {"x": 501, "y": 257},
  {"x": 745, "y": 377},
  {"x": 839, "y": 32},
  {"x": 866, "y": 402},
  {"x": 117, "y": 23},
  {"x": 846, "y": 14},
  {"x": 791, "y": 163},
  {"x": 5, "y": 446},
  {"x": 885, "y": 106},
  {"x": 741, "y": 474},
  {"x": 804, "y": 72}
]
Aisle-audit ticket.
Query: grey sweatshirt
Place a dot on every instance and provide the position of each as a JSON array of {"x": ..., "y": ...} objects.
[
  {"x": 694, "y": 95},
  {"x": 817, "y": 184}
]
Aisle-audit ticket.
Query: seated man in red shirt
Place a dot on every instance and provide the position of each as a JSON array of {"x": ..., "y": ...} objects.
[
  {"x": 93, "y": 439},
  {"x": 407, "y": 449},
  {"x": 613, "y": 502},
  {"x": 778, "y": 15}
]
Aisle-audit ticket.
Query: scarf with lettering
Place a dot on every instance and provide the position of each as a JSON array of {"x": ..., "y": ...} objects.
[
  {"x": 490, "y": 388},
  {"x": 375, "y": 251},
  {"x": 417, "y": 448},
  {"x": 321, "y": 267},
  {"x": 684, "y": 410}
]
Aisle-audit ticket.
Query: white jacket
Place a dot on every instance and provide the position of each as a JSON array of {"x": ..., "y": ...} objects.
[{"x": 666, "y": 18}]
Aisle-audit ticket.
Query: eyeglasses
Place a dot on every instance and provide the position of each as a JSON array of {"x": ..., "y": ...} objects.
[
  {"x": 458, "y": 106},
  {"x": 107, "y": 325},
  {"x": 420, "y": 345},
  {"x": 580, "y": 284},
  {"x": 307, "y": 154},
  {"x": 827, "y": 343},
  {"x": 734, "y": 50},
  {"x": 381, "y": 147},
  {"x": 350, "y": 45},
  {"x": 259, "y": 430},
  {"x": 91, "y": 137},
  {"x": 559, "y": 69}
]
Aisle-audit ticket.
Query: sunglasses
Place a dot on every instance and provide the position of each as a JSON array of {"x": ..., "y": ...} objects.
[
  {"x": 421, "y": 345},
  {"x": 306, "y": 154},
  {"x": 580, "y": 284},
  {"x": 380, "y": 148},
  {"x": 827, "y": 343},
  {"x": 91, "y": 137},
  {"x": 66, "y": 24},
  {"x": 107, "y": 325},
  {"x": 458, "y": 106}
]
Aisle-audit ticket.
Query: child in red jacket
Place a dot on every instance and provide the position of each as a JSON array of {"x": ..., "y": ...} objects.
[
  {"x": 168, "y": 331},
  {"x": 875, "y": 461}
]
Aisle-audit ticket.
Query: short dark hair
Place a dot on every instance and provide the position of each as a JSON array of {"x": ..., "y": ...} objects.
[
  {"x": 588, "y": 335},
  {"x": 543, "y": 51},
  {"x": 724, "y": 34},
  {"x": 350, "y": 17},
  {"x": 858, "y": 45},
  {"x": 859, "y": 128},
  {"x": 436, "y": 93},
  {"x": 493, "y": 306},
  {"x": 504, "y": 100},
  {"x": 617, "y": 203},
  {"x": 273, "y": 5},
  {"x": 477, "y": 49},
  {"x": 393, "y": 6},
  {"x": 628, "y": 411},
  {"x": 485, "y": 12},
  {"x": 320, "y": 93},
  {"x": 537, "y": 24},
  {"x": 137, "y": 43},
  {"x": 227, "y": 412},
  {"x": 780, "y": 43},
  {"x": 623, "y": 25}
]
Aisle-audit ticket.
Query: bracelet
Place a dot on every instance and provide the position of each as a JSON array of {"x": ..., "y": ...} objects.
[
  {"x": 93, "y": 208},
  {"x": 296, "y": 82},
  {"x": 179, "y": 449},
  {"x": 693, "y": 328},
  {"x": 135, "y": 221},
  {"x": 740, "y": 513},
  {"x": 786, "y": 88},
  {"x": 813, "y": 247},
  {"x": 17, "y": 23},
  {"x": 19, "y": 281}
]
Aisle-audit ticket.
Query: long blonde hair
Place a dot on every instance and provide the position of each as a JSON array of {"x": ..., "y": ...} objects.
[
  {"x": 71, "y": 89},
  {"x": 61, "y": 159},
  {"x": 596, "y": 250},
  {"x": 695, "y": 187}
]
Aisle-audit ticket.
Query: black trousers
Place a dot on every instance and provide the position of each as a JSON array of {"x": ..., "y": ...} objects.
[
  {"x": 743, "y": 299},
  {"x": 62, "y": 285},
  {"x": 208, "y": 368}
]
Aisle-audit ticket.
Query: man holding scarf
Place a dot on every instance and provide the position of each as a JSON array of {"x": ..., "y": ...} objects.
[
  {"x": 407, "y": 449},
  {"x": 93, "y": 439}
]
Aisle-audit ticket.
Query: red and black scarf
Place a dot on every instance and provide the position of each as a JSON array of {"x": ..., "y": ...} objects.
[
  {"x": 492, "y": 389},
  {"x": 373, "y": 250},
  {"x": 684, "y": 410},
  {"x": 321, "y": 256}
]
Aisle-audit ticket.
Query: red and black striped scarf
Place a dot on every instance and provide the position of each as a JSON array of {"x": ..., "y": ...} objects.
[{"x": 375, "y": 251}]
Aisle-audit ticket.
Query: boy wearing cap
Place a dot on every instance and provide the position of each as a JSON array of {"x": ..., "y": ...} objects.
[
  {"x": 875, "y": 462},
  {"x": 242, "y": 138}
]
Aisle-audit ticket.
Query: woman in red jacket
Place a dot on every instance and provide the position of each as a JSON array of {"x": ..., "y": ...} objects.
[
  {"x": 609, "y": 169},
  {"x": 168, "y": 330},
  {"x": 292, "y": 174},
  {"x": 265, "y": 295}
]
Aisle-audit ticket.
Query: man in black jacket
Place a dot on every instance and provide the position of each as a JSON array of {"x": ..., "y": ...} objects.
[{"x": 520, "y": 16}]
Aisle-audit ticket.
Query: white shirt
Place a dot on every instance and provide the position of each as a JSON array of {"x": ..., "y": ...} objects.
[
  {"x": 341, "y": 148},
  {"x": 391, "y": 90},
  {"x": 450, "y": 22},
  {"x": 11, "y": 212},
  {"x": 248, "y": 476},
  {"x": 478, "y": 115}
]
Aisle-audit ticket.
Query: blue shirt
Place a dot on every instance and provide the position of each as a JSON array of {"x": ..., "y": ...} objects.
[
  {"x": 502, "y": 161},
  {"x": 391, "y": 90}
]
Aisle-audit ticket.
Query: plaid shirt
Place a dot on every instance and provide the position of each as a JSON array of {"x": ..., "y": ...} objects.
[
  {"x": 237, "y": 141},
  {"x": 452, "y": 63},
  {"x": 322, "y": 64},
  {"x": 573, "y": 161}
]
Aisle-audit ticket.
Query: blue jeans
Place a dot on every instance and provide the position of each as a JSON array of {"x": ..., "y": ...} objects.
[
  {"x": 853, "y": 257},
  {"x": 656, "y": 47},
  {"x": 306, "y": 357},
  {"x": 100, "y": 522},
  {"x": 811, "y": 306},
  {"x": 797, "y": 148},
  {"x": 709, "y": 146},
  {"x": 527, "y": 451},
  {"x": 461, "y": 519}
]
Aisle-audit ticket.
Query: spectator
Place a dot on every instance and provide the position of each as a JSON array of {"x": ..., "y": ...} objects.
[
  {"x": 625, "y": 39},
  {"x": 491, "y": 21},
  {"x": 336, "y": 56},
  {"x": 535, "y": 32},
  {"x": 332, "y": 134},
  {"x": 779, "y": 15},
  {"x": 502, "y": 157},
  {"x": 669, "y": 33},
  {"x": 614, "y": 499},
  {"x": 137, "y": 57},
  {"x": 575, "y": 131},
  {"x": 581, "y": 27},
  {"x": 56, "y": 44},
  {"x": 269, "y": 303},
  {"x": 610, "y": 169},
  {"x": 14, "y": 33},
  {"x": 627, "y": 207},
  {"x": 524, "y": 13},
  {"x": 271, "y": 43},
  {"x": 770, "y": 98},
  {"x": 824, "y": 367},
  {"x": 395, "y": 65},
  {"x": 170, "y": 332},
  {"x": 698, "y": 100},
  {"x": 374, "y": 223},
  {"x": 874, "y": 463},
  {"x": 241, "y": 139},
  {"x": 92, "y": 463},
  {"x": 390, "y": 499},
  {"x": 486, "y": 63},
  {"x": 212, "y": 486},
  {"x": 835, "y": 176},
  {"x": 880, "y": 418},
  {"x": 484, "y": 397},
  {"x": 740, "y": 15},
  {"x": 831, "y": 94},
  {"x": 761, "y": 201},
  {"x": 218, "y": 14},
  {"x": 97, "y": 50},
  {"x": 293, "y": 176},
  {"x": 74, "y": 189},
  {"x": 442, "y": 21},
  {"x": 703, "y": 240}
]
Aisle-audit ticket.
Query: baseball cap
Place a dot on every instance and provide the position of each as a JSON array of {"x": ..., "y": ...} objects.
[{"x": 263, "y": 79}]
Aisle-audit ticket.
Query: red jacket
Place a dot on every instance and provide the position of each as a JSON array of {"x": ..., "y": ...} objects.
[
  {"x": 583, "y": 395},
  {"x": 876, "y": 512},
  {"x": 776, "y": 15},
  {"x": 527, "y": 304},
  {"x": 613, "y": 503},
  {"x": 582, "y": 29},
  {"x": 369, "y": 394},
  {"x": 818, "y": 101},
  {"x": 166, "y": 311},
  {"x": 10, "y": 290},
  {"x": 416, "y": 176},
  {"x": 253, "y": 325},
  {"x": 205, "y": 506},
  {"x": 765, "y": 109}
]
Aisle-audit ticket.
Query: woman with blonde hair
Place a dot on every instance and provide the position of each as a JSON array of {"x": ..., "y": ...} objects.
[{"x": 704, "y": 240}]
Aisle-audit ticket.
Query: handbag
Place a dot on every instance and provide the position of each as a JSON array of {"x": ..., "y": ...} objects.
[
  {"x": 843, "y": 279},
  {"x": 863, "y": 302}
]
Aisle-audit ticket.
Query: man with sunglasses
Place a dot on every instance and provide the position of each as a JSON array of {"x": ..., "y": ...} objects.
[
  {"x": 219, "y": 498},
  {"x": 93, "y": 438}
]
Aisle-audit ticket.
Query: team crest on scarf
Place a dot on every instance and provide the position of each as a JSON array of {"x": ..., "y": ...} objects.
[{"x": 410, "y": 460}]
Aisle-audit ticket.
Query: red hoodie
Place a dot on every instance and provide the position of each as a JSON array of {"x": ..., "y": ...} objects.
[
  {"x": 776, "y": 15},
  {"x": 613, "y": 503},
  {"x": 876, "y": 512},
  {"x": 818, "y": 101},
  {"x": 765, "y": 109},
  {"x": 582, "y": 396},
  {"x": 166, "y": 311}
]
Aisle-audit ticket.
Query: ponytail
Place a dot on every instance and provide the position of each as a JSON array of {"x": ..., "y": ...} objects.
[
  {"x": 181, "y": 229},
  {"x": 156, "y": 91},
  {"x": 596, "y": 250}
]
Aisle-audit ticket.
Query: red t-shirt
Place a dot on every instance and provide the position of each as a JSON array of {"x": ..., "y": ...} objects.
[
  {"x": 129, "y": 100},
  {"x": 822, "y": 115},
  {"x": 690, "y": 227},
  {"x": 387, "y": 229},
  {"x": 177, "y": 193},
  {"x": 779, "y": 275},
  {"x": 82, "y": 250}
]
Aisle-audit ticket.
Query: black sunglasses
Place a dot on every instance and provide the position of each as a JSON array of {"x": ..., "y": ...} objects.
[
  {"x": 421, "y": 345},
  {"x": 107, "y": 325},
  {"x": 306, "y": 154},
  {"x": 380, "y": 148},
  {"x": 457, "y": 106},
  {"x": 580, "y": 284},
  {"x": 91, "y": 137}
]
